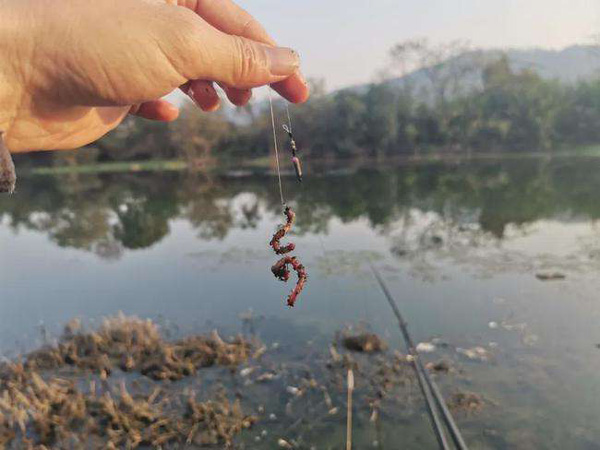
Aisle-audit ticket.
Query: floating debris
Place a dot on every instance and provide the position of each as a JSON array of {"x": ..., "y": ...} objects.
[
  {"x": 425, "y": 347},
  {"x": 267, "y": 376},
  {"x": 335, "y": 356},
  {"x": 293, "y": 390},
  {"x": 282, "y": 443},
  {"x": 514, "y": 326},
  {"x": 475, "y": 353},
  {"x": 493, "y": 325},
  {"x": 550, "y": 276},
  {"x": 441, "y": 366},
  {"x": 364, "y": 342},
  {"x": 247, "y": 371},
  {"x": 467, "y": 402},
  {"x": 259, "y": 352}
]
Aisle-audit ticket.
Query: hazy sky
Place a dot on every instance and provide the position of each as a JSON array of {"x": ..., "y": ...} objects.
[{"x": 347, "y": 41}]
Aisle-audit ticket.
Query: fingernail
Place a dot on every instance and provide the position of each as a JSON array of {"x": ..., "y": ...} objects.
[
  {"x": 302, "y": 78},
  {"x": 282, "y": 61},
  {"x": 171, "y": 109}
]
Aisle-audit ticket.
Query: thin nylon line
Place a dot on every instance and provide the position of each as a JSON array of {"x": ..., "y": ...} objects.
[
  {"x": 276, "y": 147},
  {"x": 287, "y": 110}
]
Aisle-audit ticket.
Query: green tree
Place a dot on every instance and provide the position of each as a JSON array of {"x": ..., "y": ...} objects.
[
  {"x": 196, "y": 133},
  {"x": 381, "y": 119},
  {"x": 348, "y": 123}
]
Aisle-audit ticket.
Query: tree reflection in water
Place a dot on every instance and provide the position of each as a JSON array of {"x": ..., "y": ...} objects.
[{"x": 424, "y": 209}]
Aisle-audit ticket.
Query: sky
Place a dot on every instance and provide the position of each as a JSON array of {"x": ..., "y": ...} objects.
[{"x": 347, "y": 42}]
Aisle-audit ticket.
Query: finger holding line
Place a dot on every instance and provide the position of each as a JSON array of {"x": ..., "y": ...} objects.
[{"x": 228, "y": 17}]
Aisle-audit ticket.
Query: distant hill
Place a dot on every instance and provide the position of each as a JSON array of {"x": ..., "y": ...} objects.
[
  {"x": 570, "y": 64},
  {"x": 578, "y": 62}
]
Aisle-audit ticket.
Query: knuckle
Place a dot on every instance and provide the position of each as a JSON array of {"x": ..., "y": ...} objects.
[{"x": 248, "y": 62}]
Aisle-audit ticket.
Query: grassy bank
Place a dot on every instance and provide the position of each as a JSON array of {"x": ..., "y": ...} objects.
[
  {"x": 112, "y": 167},
  {"x": 265, "y": 163}
]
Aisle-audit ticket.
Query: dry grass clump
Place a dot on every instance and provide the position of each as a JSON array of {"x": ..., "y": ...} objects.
[
  {"x": 57, "y": 414},
  {"x": 215, "y": 421},
  {"x": 133, "y": 344},
  {"x": 39, "y": 409},
  {"x": 184, "y": 357}
]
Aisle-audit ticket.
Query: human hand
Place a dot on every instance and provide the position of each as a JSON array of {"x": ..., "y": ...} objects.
[{"x": 72, "y": 70}]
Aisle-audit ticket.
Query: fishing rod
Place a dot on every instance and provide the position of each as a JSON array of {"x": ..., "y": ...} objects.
[{"x": 428, "y": 386}]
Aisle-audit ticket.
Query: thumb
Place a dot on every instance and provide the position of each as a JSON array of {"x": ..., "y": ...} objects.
[{"x": 200, "y": 51}]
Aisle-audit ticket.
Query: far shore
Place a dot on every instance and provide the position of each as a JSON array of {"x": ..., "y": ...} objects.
[{"x": 268, "y": 165}]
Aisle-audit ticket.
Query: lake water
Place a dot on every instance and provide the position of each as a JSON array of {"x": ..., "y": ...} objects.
[{"x": 461, "y": 246}]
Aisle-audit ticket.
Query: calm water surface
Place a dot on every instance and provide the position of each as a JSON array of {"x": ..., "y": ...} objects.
[{"x": 459, "y": 244}]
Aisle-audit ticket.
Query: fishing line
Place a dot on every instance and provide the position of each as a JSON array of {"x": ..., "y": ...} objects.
[
  {"x": 287, "y": 110},
  {"x": 276, "y": 146},
  {"x": 281, "y": 268}
]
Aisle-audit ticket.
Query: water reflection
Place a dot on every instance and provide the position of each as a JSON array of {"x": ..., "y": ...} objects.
[{"x": 465, "y": 205}]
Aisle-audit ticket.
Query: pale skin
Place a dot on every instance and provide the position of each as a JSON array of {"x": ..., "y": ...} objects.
[{"x": 72, "y": 70}]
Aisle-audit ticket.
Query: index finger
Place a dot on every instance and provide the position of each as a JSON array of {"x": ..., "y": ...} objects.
[{"x": 228, "y": 17}]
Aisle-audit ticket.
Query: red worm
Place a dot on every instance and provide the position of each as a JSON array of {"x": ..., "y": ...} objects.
[
  {"x": 281, "y": 271},
  {"x": 280, "y": 268},
  {"x": 279, "y": 234}
]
